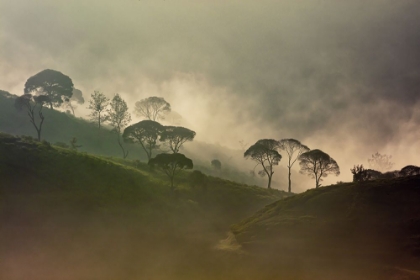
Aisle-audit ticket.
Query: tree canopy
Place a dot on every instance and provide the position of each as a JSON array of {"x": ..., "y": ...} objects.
[
  {"x": 265, "y": 152},
  {"x": 293, "y": 149},
  {"x": 57, "y": 86},
  {"x": 152, "y": 108},
  {"x": 171, "y": 164},
  {"x": 318, "y": 164},
  {"x": 175, "y": 136},
  {"x": 146, "y": 133}
]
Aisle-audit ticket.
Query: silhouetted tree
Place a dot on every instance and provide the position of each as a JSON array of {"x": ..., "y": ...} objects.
[
  {"x": 152, "y": 108},
  {"x": 146, "y": 133},
  {"x": 171, "y": 164},
  {"x": 380, "y": 162},
  {"x": 119, "y": 117},
  {"x": 98, "y": 104},
  {"x": 357, "y": 171},
  {"x": 410, "y": 170},
  {"x": 33, "y": 106},
  {"x": 293, "y": 149},
  {"x": 265, "y": 153},
  {"x": 176, "y": 136},
  {"x": 76, "y": 97},
  {"x": 318, "y": 164},
  {"x": 51, "y": 83},
  {"x": 216, "y": 164}
]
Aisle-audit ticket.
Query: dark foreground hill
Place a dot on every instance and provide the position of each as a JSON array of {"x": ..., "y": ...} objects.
[
  {"x": 71, "y": 215},
  {"x": 367, "y": 230}
]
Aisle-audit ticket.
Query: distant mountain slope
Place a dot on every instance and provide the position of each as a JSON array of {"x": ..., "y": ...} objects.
[{"x": 366, "y": 223}]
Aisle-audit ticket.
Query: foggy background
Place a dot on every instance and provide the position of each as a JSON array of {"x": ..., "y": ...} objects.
[{"x": 339, "y": 76}]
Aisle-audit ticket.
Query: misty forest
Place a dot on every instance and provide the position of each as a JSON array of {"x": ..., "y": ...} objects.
[{"x": 234, "y": 140}]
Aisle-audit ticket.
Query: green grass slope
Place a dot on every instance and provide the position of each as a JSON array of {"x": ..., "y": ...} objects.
[
  {"x": 370, "y": 230},
  {"x": 71, "y": 215}
]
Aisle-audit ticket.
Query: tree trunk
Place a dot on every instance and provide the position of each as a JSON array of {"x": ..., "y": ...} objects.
[
  {"x": 269, "y": 181},
  {"x": 99, "y": 120},
  {"x": 290, "y": 181}
]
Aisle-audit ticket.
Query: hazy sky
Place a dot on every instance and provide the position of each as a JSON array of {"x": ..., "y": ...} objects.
[{"x": 341, "y": 76}]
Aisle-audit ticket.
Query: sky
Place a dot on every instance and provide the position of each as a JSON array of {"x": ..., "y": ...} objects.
[{"x": 340, "y": 76}]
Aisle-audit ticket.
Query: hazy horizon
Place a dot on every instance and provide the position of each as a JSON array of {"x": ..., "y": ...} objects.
[{"x": 343, "y": 77}]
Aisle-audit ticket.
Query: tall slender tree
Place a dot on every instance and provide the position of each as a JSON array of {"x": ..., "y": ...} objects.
[
  {"x": 119, "y": 117},
  {"x": 293, "y": 149},
  {"x": 98, "y": 104},
  {"x": 265, "y": 152}
]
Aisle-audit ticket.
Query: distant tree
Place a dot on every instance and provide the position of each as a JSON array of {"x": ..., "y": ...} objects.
[
  {"x": 216, "y": 164},
  {"x": 176, "y": 136},
  {"x": 171, "y": 164},
  {"x": 51, "y": 83},
  {"x": 73, "y": 144},
  {"x": 198, "y": 178},
  {"x": 33, "y": 106},
  {"x": 265, "y": 153},
  {"x": 77, "y": 97},
  {"x": 98, "y": 104},
  {"x": 146, "y": 133},
  {"x": 318, "y": 164},
  {"x": 293, "y": 149},
  {"x": 357, "y": 171},
  {"x": 380, "y": 162},
  {"x": 152, "y": 108},
  {"x": 119, "y": 117}
]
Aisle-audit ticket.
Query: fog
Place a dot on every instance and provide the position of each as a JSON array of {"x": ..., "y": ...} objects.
[{"x": 340, "y": 76}]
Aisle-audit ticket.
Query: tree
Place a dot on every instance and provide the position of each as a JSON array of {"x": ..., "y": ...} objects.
[
  {"x": 380, "y": 162},
  {"x": 152, "y": 108},
  {"x": 98, "y": 104},
  {"x": 73, "y": 144},
  {"x": 294, "y": 149},
  {"x": 76, "y": 97},
  {"x": 216, "y": 164},
  {"x": 171, "y": 164},
  {"x": 318, "y": 164},
  {"x": 33, "y": 106},
  {"x": 409, "y": 170},
  {"x": 146, "y": 133},
  {"x": 119, "y": 117},
  {"x": 176, "y": 136},
  {"x": 51, "y": 83},
  {"x": 265, "y": 153},
  {"x": 198, "y": 178}
]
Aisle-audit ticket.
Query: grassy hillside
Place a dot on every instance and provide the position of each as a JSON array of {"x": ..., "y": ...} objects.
[
  {"x": 71, "y": 215},
  {"x": 62, "y": 127},
  {"x": 366, "y": 230}
]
